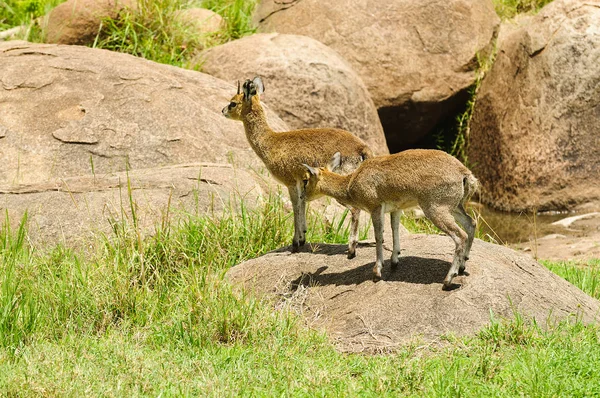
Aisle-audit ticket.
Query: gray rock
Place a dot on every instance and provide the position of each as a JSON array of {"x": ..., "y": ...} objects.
[
  {"x": 307, "y": 84},
  {"x": 417, "y": 58},
  {"x": 338, "y": 296},
  {"x": 534, "y": 142},
  {"x": 78, "y": 21},
  {"x": 73, "y": 110},
  {"x": 74, "y": 210},
  {"x": 199, "y": 20}
]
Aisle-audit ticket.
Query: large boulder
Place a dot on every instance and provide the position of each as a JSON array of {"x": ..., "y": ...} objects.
[
  {"x": 69, "y": 111},
  {"x": 73, "y": 210},
  {"x": 534, "y": 140},
  {"x": 307, "y": 83},
  {"x": 417, "y": 58},
  {"x": 199, "y": 20},
  {"x": 338, "y": 295},
  {"x": 78, "y": 21}
]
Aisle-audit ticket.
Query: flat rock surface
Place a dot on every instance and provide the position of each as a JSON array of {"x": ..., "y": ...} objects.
[
  {"x": 338, "y": 295},
  {"x": 72, "y": 210},
  {"x": 578, "y": 239},
  {"x": 67, "y": 111}
]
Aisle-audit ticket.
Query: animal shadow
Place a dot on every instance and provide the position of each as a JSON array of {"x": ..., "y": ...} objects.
[{"x": 412, "y": 269}]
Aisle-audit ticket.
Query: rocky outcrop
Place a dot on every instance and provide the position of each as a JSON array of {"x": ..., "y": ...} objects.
[
  {"x": 78, "y": 21},
  {"x": 73, "y": 210},
  {"x": 88, "y": 135},
  {"x": 417, "y": 58},
  {"x": 338, "y": 295},
  {"x": 307, "y": 83},
  {"x": 70, "y": 111},
  {"x": 199, "y": 20},
  {"x": 534, "y": 141}
]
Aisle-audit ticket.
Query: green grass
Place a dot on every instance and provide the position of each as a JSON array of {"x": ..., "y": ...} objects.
[
  {"x": 585, "y": 276},
  {"x": 22, "y": 12},
  {"x": 153, "y": 315},
  {"x": 153, "y": 32},
  {"x": 507, "y": 9}
]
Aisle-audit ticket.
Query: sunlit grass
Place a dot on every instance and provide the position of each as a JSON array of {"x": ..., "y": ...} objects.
[{"x": 155, "y": 316}]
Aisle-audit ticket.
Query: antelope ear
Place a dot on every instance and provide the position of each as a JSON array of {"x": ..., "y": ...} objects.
[
  {"x": 335, "y": 162},
  {"x": 311, "y": 170},
  {"x": 260, "y": 86},
  {"x": 248, "y": 89}
]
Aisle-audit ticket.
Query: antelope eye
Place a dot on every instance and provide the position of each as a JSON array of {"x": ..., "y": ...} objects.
[{"x": 232, "y": 104}]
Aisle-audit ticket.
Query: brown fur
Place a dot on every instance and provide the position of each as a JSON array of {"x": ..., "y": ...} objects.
[
  {"x": 434, "y": 180},
  {"x": 283, "y": 153}
]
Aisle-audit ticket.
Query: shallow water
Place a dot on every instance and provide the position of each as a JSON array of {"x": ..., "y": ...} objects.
[{"x": 517, "y": 227}]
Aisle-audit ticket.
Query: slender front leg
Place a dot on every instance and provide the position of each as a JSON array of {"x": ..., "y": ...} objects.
[
  {"x": 377, "y": 218},
  {"x": 302, "y": 210},
  {"x": 353, "y": 239},
  {"x": 299, "y": 207},
  {"x": 395, "y": 215}
]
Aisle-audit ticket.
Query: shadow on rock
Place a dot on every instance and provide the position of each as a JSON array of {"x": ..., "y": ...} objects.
[{"x": 410, "y": 270}]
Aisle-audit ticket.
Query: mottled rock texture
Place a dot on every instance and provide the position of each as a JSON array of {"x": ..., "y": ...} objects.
[
  {"x": 337, "y": 295},
  {"x": 68, "y": 110},
  {"x": 417, "y": 58},
  {"x": 535, "y": 133},
  {"x": 308, "y": 84}
]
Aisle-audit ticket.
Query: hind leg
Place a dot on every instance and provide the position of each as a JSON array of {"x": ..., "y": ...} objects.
[
  {"x": 353, "y": 239},
  {"x": 469, "y": 225},
  {"x": 443, "y": 219}
]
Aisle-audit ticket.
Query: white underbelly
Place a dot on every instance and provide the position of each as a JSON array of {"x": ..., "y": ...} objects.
[{"x": 400, "y": 205}]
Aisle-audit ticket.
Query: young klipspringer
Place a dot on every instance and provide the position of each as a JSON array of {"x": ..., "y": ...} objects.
[
  {"x": 283, "y": 153},
  {"x": 434, "y": 180}
]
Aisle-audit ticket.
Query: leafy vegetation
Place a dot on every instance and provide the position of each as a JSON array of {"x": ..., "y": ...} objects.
[
  {"x": 22, "y": 12},
  {"x": 153, "y": 31},
  {"x": 154, "y": 316},
  {"x": 585, "y": 276},
  {"x": 508, "y": 9}
]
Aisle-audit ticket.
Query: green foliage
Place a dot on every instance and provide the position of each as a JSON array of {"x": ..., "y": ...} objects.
[
  {"x": 152, "y": 31},
  {"x": 237, "y": 15},
  {"x": 153, "y": 315},
  {"x": 585, "y": 276},
  {"x": 508, "y": 9},
  {"x": 22, "y": 12}
]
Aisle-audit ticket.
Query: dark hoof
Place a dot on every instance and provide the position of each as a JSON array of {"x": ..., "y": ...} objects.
[
  {"x": 302, "y": 242},
  {"x": 376, "y": 278},
  {"x": 450, "y": 286},
  {"x": 394, "y": 266},
  {"x": 351, "y": 255},
  {"x": 295, "y": 248},
  {"x": 462, "y": 272}
]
